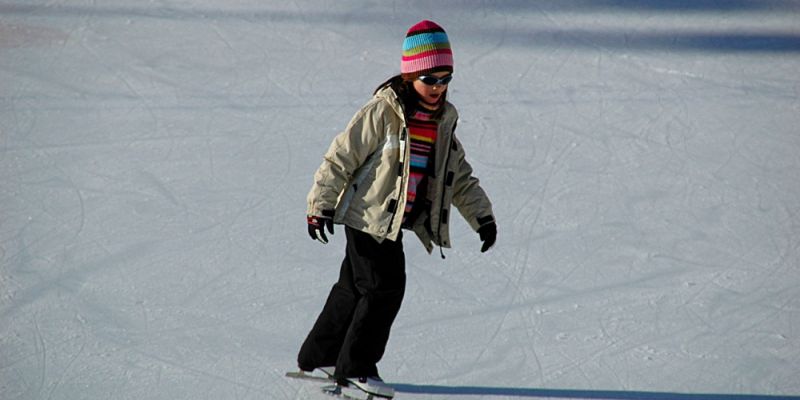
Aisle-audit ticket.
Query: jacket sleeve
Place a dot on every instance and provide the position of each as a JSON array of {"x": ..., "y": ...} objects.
[
  {"x": 346, "y": 154},
  {"x": 468, "y": 196}
]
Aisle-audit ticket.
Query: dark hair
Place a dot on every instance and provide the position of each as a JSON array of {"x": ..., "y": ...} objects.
[{"x": 408, "y": 97}]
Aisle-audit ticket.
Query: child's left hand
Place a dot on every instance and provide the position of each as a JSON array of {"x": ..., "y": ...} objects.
[{"x": 488, "y": 235}]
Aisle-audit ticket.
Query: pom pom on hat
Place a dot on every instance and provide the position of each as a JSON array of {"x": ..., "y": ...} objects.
[{"x": 426, "y": 49}]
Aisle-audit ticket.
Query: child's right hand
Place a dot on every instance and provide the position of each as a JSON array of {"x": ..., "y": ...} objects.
[{"x": 317, "y": 225}]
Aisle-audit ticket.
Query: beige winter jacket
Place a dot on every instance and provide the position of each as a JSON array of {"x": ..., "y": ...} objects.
[{"x": 364, "y": 176}]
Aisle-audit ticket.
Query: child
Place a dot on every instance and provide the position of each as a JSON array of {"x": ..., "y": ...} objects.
[{"x": 397, "y": 166}]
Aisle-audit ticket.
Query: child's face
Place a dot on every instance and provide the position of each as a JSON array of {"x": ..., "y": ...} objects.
[{"x": 431, "y": 93}]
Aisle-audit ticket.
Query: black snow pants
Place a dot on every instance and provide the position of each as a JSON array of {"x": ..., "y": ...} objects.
[{"x": 352, "y": 331}]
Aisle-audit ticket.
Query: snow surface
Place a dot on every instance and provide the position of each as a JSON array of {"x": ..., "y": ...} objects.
[{"x": 642, "y": 156}]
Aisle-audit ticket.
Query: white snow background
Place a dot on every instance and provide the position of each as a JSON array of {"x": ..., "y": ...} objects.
[{"x": 643, "y": 158}]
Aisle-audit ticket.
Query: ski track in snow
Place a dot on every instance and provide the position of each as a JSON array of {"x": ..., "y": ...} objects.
[{"x": 642, "y": 157}]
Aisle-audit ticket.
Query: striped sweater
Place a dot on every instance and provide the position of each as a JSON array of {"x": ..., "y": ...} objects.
[{"x": 422, "y": 137}]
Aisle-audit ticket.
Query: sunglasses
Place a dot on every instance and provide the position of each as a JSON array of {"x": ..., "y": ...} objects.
[{"x": 432, "y": 80}]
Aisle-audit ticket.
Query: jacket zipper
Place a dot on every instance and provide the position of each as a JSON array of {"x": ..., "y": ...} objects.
[
  {"x": 444, "y": 189},
  {"x": 401, "y": 172}
]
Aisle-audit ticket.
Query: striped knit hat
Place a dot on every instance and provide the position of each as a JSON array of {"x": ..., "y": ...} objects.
[{"x": 425, "y": 50}]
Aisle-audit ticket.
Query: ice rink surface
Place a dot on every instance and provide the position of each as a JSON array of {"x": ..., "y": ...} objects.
[{"x": 642, "y": 157}]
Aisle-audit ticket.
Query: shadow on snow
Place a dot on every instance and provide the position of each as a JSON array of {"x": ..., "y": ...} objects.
[
  {"x": 360, "y": 13},
  {"x": 576, "y": 394},
  {"x": 665, "y": 40},
  {"x": 676, "y": 39}
]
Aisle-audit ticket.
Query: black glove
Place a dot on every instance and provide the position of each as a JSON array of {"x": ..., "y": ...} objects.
[
  {"x": 488, "y": 235},
  {"x": 317, "y": 225}
]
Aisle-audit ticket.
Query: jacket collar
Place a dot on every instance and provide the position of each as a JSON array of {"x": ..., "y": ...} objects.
[{"x": 390, "y": 96}]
